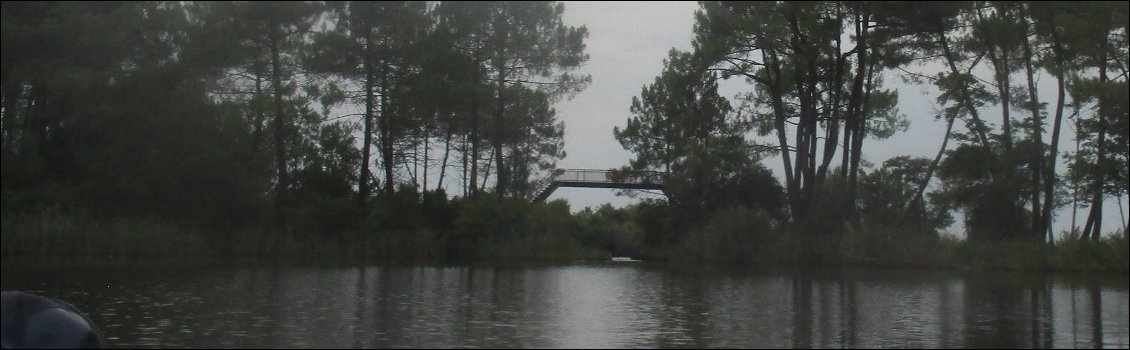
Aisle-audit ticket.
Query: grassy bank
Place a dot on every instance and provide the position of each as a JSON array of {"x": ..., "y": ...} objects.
[
  {"x": 747, "y": 236},
  {"x": 467, "y": 230},
  {"x": 490, "y": 230},
  {"x": 53, "y": 233}
]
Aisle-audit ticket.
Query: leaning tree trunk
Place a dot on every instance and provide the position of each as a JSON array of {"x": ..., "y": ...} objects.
[
  {"x": 1095, "y": 218},
  {"x": 1049, "y": 174}
]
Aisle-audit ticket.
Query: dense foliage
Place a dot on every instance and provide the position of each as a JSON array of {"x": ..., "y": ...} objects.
[{"x": 252, "y": 128}]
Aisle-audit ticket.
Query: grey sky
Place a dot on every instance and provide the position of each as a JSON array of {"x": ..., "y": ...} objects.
[{"x": 627, "y": 44}]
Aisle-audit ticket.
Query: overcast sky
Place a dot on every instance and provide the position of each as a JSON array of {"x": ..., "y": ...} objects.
[{"x": 627, "y": 44}]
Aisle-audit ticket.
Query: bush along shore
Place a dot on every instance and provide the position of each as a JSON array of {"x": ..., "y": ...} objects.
[{"x": 433, "y": 228}]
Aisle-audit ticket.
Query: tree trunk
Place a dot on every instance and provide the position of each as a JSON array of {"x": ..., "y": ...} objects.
[
  {"x": 1100, "y": 178},
  {"x": 475, "y": 133},
  {"x": 30, "y": 111},
  {"x": 775, "y": 91},
  {"x": 864, "y": 70},
  {"x": 257, "y": 106},
  {"x": 1049, "y": 174},
  {"x": 367, "y": 139},
  {"x": 386, "y": 132},
  {"x": 845, "y": 157},
  {"x": 1087, "y": 228},
  {"x": 859, "y": 134},
  {"x": 918, "y": 195},
  {"x": 409, "y": 168},
  {"x": 804, "y": 125},
  {"x": 1036, "y": 165},
  {"x": 280, "y": 125},
  {"x": 1000, "y": 76},
  {"x": 499, "y": 116},
  {"x": 833, "y": 123},
  {"x": 1075, "y": 188},
  {"x": 463, "y": 150},
  {"x": 486, "y": 176},
  {"x": 979, "y": 127},
  {"x": 1000, "y": 68},
  {"x": 446, "y": 153},
  {"x": 427, "y": 158}
]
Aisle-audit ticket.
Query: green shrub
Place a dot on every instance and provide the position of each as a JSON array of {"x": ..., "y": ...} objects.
[{"x": 58, "y": 233}]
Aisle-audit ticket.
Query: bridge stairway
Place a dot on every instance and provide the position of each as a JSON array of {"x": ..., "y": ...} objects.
[{"x": 545, "y": 192}]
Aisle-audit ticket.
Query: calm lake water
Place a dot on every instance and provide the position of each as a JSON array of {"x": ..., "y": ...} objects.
[{"x": 239, "y": 304}]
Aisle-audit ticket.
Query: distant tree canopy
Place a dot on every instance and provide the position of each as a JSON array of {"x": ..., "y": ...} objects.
[
  {"x": 222, "y": 110},
  {"x": 254, "y": 112},
  {"x": 815, "y": 73}
]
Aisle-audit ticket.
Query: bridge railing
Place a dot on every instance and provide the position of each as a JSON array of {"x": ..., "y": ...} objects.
[{"x": 608, "y": 176}]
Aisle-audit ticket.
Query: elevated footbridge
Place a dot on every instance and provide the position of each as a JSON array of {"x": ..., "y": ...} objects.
[{"x": 595, "y": 178}]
